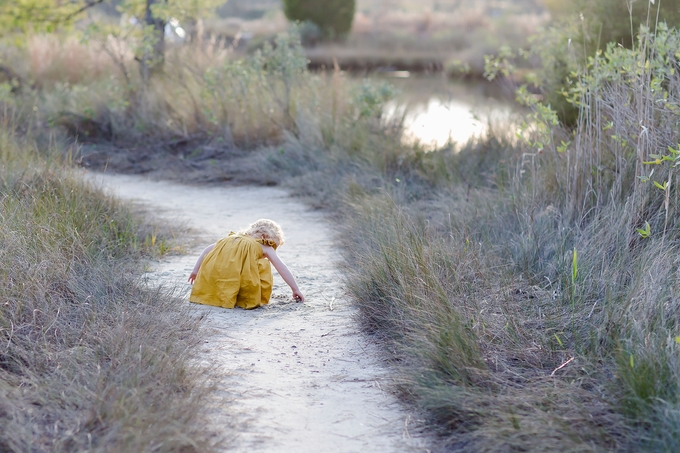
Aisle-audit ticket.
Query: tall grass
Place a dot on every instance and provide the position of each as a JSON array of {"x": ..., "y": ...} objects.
[
  {"x": 90, "y": 359},
  {"x": 206, "y": 94},
  {"x": 476, "y": 344},
  {"x": 524, "y": 308}
]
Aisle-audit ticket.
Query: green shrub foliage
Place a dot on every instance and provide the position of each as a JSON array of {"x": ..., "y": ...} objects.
[
  {"x": 582, "y": 28},
  {"x": 334, "y": 17},
  {"x": 618, "y": 21}
]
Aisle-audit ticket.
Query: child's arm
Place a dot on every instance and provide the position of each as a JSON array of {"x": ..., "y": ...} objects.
[
  {"x": 283, "y": 271},
  {"x": 192, "y": 277}
]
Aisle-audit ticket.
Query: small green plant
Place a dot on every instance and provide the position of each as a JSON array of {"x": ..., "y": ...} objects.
[
  {"x": 259, "y": 96},
  {"x": 370, "y": 98},
  {"x": 646, "y": 231},
  {"x": 156, "y": 245},
  {"x": 574, "y": 269}
]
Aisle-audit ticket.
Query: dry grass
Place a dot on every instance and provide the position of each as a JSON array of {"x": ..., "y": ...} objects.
[
  {"x": 91, "y": 359},
  {"x": 206, "y": 93},
  {"x": 522, "y": 307},
  {"x": 475, "y": 343},
  {"x": 52, "y": 60},
  {"x": 450, "y": 40},
  {"x": 209, "y": 103}
]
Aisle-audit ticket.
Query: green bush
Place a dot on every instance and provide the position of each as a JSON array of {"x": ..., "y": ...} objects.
[
  {"x": 580, "y": 29},
  {"x": 617, "y": 21},
  {"x": 334, "y": 17}
]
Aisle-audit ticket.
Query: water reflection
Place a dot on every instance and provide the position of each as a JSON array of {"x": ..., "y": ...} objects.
[{"x": 437, "y": 112}]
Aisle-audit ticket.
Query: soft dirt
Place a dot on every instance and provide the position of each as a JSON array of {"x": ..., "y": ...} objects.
[{"x": 301, "y": 377}]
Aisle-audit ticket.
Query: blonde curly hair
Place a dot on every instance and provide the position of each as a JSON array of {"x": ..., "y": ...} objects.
[{"x": 265, "y": 229}]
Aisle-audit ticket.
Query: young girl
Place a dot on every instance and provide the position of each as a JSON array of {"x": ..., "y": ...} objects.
[{"x": 236, "y": 270}]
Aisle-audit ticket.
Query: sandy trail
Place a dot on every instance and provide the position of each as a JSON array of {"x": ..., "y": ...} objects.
[{"x": 301, "y": 376}]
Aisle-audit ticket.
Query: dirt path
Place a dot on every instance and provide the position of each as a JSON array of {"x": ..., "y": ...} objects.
[{"x": 302, "y": 377}]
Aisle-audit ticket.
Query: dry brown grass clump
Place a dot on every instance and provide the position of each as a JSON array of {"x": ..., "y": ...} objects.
[
  {"x": 475, "y": 346},
  {"x": 91, "y": 359},
  {"x": 53, "y": 60}
]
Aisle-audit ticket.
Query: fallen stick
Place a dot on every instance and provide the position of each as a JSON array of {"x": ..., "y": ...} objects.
[{"x": 561, "y": 366}]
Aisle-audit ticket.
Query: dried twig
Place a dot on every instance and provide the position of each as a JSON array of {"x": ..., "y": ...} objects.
[{"x": 561, "y": 366}]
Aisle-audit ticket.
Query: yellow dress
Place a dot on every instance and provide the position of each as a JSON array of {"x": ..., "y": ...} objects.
[{"x": 234, "y": 273}]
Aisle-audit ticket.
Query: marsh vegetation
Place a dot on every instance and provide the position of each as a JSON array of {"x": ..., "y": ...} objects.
[{"x": 524, "y": 286}]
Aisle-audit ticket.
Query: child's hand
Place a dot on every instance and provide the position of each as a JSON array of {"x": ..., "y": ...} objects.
[
  {"x": 192, "y": 278},
  {"x": 297, "y": 295}
]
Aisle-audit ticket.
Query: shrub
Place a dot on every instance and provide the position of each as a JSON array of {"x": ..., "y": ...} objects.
[
  {"x": 616, "y": 20},
  {"x": 581, "y": 29},
  {"x": 334, "y": 17}
]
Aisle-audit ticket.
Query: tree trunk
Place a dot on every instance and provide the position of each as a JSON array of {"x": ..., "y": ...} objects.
[{"x": 154, "y": 49}]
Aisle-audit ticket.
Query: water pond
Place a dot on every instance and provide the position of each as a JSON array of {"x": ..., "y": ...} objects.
[{"x": 437, "y": 110}]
